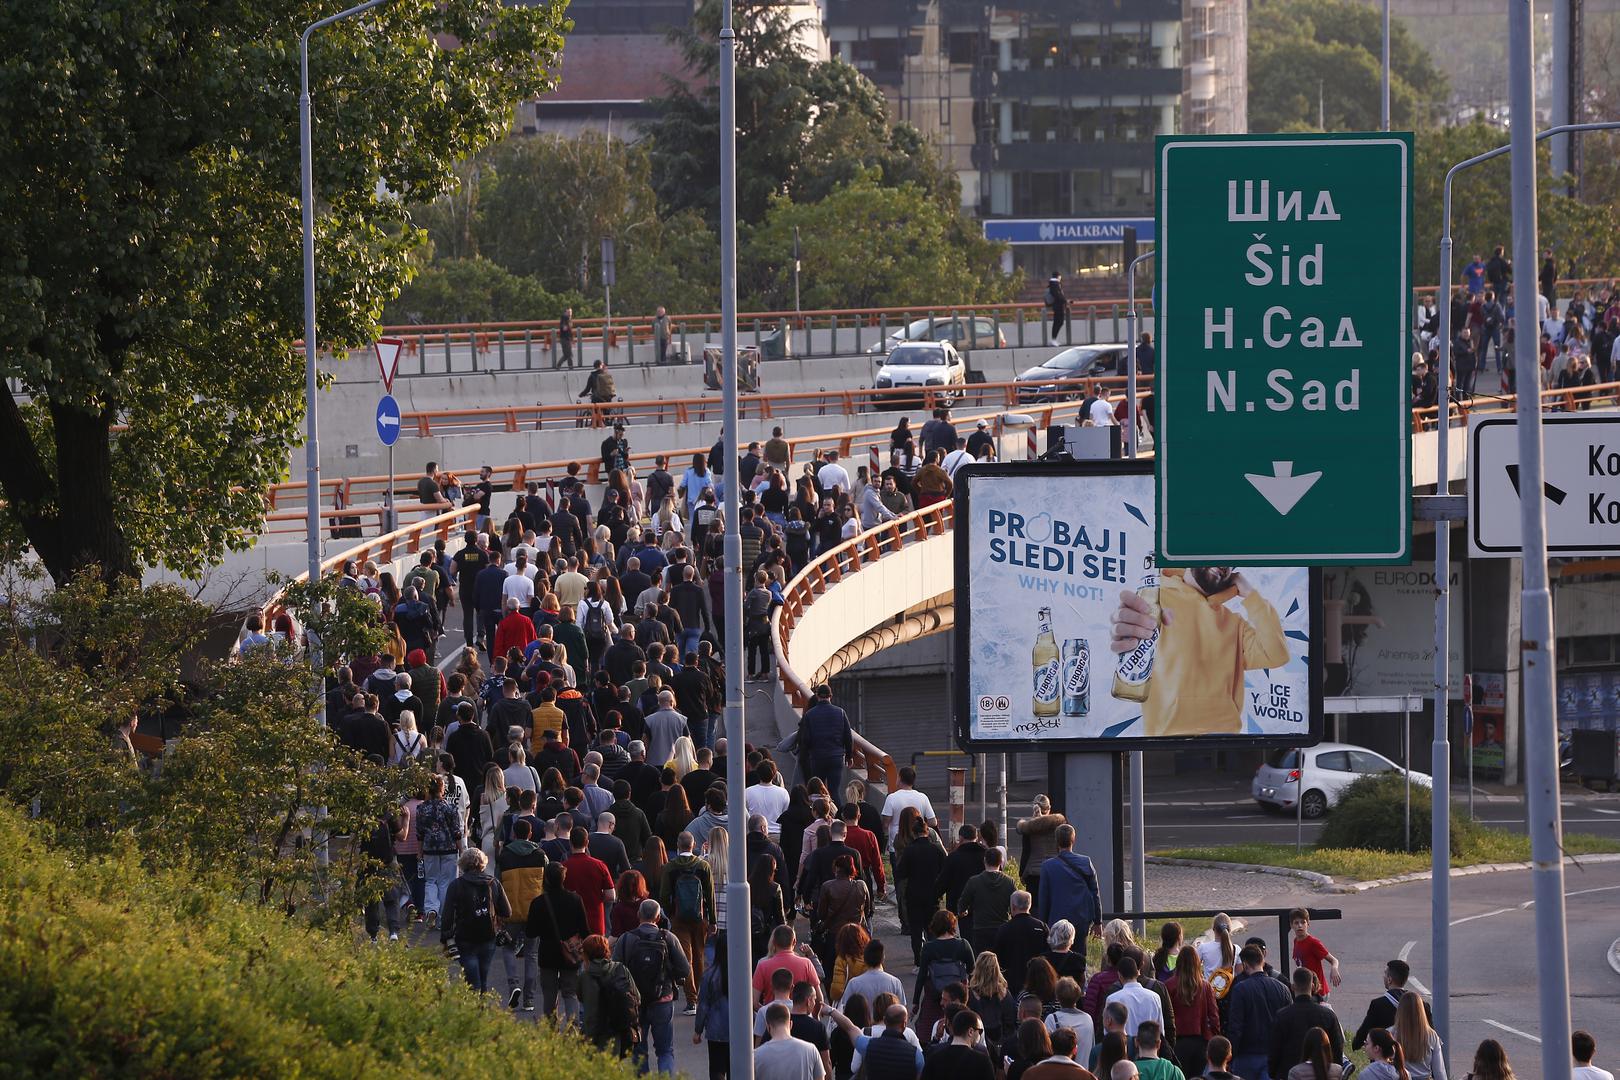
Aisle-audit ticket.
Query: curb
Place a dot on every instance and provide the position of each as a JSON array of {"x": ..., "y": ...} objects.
[{"x": 1329, "y": 884}]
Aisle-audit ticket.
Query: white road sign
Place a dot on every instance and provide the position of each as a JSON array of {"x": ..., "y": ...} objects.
[{"x": 1580, "y": 496}]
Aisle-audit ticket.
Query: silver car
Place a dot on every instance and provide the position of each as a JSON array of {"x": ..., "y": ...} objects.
[{"x": 1323, "y": 771}]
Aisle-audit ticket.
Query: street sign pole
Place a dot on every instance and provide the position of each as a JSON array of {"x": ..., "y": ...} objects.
[
  {"x": 388, "y": 425},
  {"x": 1283, "y": 298},
  {"x": 1137, "y": 765},
  {"x": 1536, "y": 635},
  {"x": 738, "y": 956}
]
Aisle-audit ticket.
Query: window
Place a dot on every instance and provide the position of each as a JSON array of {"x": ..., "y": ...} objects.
[
  {"x": 1283, "y": 759},
  {"x": 963, "y": 46},
  {"x": 1333, "y": 761},
  {"x": 1363, "y": 762}
]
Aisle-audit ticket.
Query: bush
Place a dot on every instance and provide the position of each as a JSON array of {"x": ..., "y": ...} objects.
[
  {"x": 108, "y": 969},
  {"x": 1371, "y": 814}
]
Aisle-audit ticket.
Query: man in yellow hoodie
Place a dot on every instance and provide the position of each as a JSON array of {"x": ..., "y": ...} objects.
[{"x": 1204, "y": 647}]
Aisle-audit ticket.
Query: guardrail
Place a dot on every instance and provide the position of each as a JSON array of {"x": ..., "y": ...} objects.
[
  {"x": 831, "y": 567},
  {"x": 514, "y": 477},
  {"x": 1558, "y": 400},
  {"x": 685, "y": 410}
]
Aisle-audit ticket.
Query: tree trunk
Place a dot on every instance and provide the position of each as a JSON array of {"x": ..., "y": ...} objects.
[{"x": 74, "y": 531}]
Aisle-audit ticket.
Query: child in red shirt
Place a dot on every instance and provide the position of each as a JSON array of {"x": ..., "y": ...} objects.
[{"x": 1309, "y": 952}]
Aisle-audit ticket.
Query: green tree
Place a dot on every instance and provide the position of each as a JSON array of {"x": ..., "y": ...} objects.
[
  {"x": 1306, "y": 55},
  {"x": 477, "y": 290},
  {"x": 868, "y": 246},
  {"x": 149, "y": 206}
]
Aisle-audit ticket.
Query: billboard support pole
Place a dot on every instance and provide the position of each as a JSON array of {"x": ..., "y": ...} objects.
[{"x": 1138, "y": 780}]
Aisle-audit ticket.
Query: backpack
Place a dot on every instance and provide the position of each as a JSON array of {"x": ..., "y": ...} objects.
[
  {"x": 436, "y": 827},
  {"x": 620, "y": 1008},
  {"x": 942, "y": 973},
  {"x": 646, "y": 956},
  {"x": 596, "y": 622},
  {"x": 482, "y": 923},
  {"x": 688, "y": 894}
]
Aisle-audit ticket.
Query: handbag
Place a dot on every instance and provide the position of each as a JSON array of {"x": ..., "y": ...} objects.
[{"x": 572, "y": 946}]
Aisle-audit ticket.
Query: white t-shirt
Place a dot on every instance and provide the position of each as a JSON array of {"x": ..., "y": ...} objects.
[
  {"x": 1591, "y": 1072},
  {"x": 1102, "y": 413},
  {"x": 520, "y": 586},
  {"x": 896, "y": 803},
  {"x": 955, "y": 460},
  {"x": 851, "y": 528},
  {"x": 768, "y": 801},
  {"x": 833, "y": 475},
  {"x": 788, "y": 1059},
  {"x": 1209, "y": 954}
]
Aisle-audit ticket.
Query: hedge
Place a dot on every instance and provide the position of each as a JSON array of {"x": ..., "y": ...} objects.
[{"x": 108, "y": 969}]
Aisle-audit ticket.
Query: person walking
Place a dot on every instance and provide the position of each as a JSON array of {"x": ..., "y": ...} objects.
[
  {"x": 946, "y": 962},
  {"x": 556, "y": 930},
  {"x": 1252, "y": 1008},
  {"x": 1057, "y": 305},
  {"x": 826, "y": 739},
  {"x": 712, "y": 1022},
  {"x": 1039, "y": 842},
  {"x": 611, "y": 1004},
  {"x": 657, "y": 964},
  {"x": 1381, "y": 1010},
  {"x": 1425, "y": 1056},
  {"x": 522, "y": 867},
  {"x": 921, "y": 866},
  {"x": 1018, "y": 941},
  {"x": 1196, "y": 1013},
  {"x": 687, "y": 893},
  {"x": 475, "y": 908},
  {"x": 986, "y": 900},
  {"x": 1288, "y": 1031},
  {"x": 439, "y": 830}
]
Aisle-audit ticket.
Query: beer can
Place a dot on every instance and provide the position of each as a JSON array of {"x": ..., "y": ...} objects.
[{"x": 1076, "y": 677}]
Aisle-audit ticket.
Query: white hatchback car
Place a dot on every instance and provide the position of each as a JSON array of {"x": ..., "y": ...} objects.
[
  {"x": 1327, "y": 770},
  {"x": 932, "y": 365}
]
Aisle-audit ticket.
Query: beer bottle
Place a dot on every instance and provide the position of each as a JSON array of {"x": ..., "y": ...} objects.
[
  {"x": 1134, "y": 674},
  {"x": 1047, "y": 663}
]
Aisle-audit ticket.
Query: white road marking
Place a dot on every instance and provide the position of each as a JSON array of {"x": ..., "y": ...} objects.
[
  {"x": 1512, "y": 1030},
  {"x": 1600, "y": 810},
  {"x": 1483, "y": 915},
  {"x": 1529, "y": 904},
  {"x": 1412, "y": 980}
]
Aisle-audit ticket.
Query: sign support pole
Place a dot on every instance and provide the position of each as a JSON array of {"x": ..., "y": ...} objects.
[
  {"x": 1138, "y": 779},
  {"x": 390, "y": 516},
  {"x": 1536, "y": 637}
]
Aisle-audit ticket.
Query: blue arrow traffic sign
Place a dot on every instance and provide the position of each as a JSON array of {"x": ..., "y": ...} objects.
[{"x": 388, "y": 420}]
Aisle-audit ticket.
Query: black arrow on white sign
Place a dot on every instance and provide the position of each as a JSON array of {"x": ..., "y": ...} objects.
[{"x": 1554, "y": 495}]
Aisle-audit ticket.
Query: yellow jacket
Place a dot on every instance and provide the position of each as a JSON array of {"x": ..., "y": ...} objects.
[{"x": 1198, "y": 665}]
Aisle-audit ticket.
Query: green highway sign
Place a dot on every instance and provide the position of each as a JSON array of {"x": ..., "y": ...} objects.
[{"x": 1283, "y": 426}]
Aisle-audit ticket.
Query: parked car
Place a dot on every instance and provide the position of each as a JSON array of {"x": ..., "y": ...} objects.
[
  {"x": 1327, "y": 770},
  {"x": 966, "y": 333},
  {"x": 1082, "y": 361},
  {"x": 930, "y": 365}
]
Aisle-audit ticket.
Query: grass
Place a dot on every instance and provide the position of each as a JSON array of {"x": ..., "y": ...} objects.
[{"x": 1361, "y": 864}]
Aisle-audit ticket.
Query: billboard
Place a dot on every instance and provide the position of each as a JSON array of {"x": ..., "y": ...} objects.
[
  {"x": 1069, "y": 637},
  {"x": 1386, "y": 628}
]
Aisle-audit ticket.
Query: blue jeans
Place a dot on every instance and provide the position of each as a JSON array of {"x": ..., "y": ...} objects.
[
  {"x": 1251, "y": 1066},
  {"x": 658, "y": 1030},
  {"x": 441, "y": 871},
  {"x": 690, "y": 636},
  {"x": 477, "y": 963},
  {"x": 831, "y": 770},
  {"x": 702, "y": 731}
]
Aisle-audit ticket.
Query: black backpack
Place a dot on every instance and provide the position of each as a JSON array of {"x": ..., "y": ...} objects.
[
  {"x": 647, "y": 955},
  {"x": 596, "y": 623}
]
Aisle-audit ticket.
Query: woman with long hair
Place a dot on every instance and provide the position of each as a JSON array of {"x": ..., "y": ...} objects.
[
  {"x": 766, "y": 895},
  {"x": 839, "y": 902},
  {"x": 1491, "y": 1062},
  {"x": 550, "y": 610},
  {"x": 712, "y": 1024},
  {"x": 625, "y": 914},
  {"x": 1197, "y": 1014},
  {"x": 1317, "y": 1064},
  {"x": 594, "y": 608},
  {"x": 990, "y": 997},
  {"x": 557, "y": 928},
  {"x": 1425, "y": 1057},
  {"x": 492, "y": 804},
  {"x": 946, "y": 958},
  {"x": 917, "y": 867},
  {"x": 1385, "y": 1058},
  {"x": 1220, "y": 951},
  {"x": 653, "y": 857},
  {"x": 1110, "y": 1052},
  {"x": 1034, "y": 1047},
  {"x": 1164, "y": 957},
  {"x": 849, "y": 958},
  {"x": 408, "y": 743},
  {"x": 674, "y": 817},
  {"x": 1040, "y": 984},
  {"x": 683, "y": 757},
  {"x": 859, "y": 1013},
  {"x": 695, "y": 482},
  {"x": 717, "y": 850},
  {"x": 792, "y": 823}
]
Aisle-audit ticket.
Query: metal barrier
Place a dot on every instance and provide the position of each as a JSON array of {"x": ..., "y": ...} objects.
[
  {"x": 1554, "y": 400},
  {"x": 515, "y": 418}
]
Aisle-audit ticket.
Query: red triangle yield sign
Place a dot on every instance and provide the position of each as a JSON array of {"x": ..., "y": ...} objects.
[{"x": 388, "y": 359}]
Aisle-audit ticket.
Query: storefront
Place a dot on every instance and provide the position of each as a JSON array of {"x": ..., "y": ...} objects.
[{"x": 1073, "y": 247}]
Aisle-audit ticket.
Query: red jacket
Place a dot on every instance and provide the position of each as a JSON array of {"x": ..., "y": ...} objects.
[
  {"x": 866, "y": 844},
  {"x": 514, "y": 630},
  {"x": 1202, "y": 1017}
]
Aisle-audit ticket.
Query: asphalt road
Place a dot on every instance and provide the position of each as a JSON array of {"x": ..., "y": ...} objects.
[{"x": 1195, "y": 812}]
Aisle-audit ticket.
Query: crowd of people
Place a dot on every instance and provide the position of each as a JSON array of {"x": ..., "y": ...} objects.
[{"x": 1579, "y": 347}]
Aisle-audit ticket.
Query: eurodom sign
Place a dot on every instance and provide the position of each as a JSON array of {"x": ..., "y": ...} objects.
[
  {"x": 1050, "y": 557},
  {"x": 1024, "y": 231}
]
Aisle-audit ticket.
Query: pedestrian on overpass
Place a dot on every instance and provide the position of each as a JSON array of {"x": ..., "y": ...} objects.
[
  {"x": 826, "y": 739},
  {"x": 1057, "y": 304}
]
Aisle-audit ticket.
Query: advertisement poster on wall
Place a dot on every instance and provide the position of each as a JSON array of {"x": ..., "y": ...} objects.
[
  {"x": 1487, "y": 698},
  {"x": 1386, "y": 625},
  {"x": 1069, "y": 636}
]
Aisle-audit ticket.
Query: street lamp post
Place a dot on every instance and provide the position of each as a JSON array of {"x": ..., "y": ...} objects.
[{"x": 312, "y": 444}]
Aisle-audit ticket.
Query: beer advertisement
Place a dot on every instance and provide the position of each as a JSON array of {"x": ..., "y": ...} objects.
[{"x": 1069, "y": 634}]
